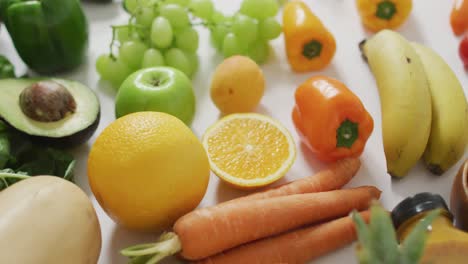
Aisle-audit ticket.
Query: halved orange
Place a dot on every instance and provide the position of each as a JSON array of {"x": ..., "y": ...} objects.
[{"x": 249, "y": 150}]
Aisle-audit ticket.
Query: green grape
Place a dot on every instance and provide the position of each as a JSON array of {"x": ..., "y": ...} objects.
[
  {"x": 152, "y": 58},
  {"x": 176, "y": 15},
  {"x": 141, "y": 34},
  {"x": 232, "y": 45},
  {"x": 269, "y": 29},
  {"x": 218, "y": 17},
  {"x": 259, "y": 51},
  {"x": 144, "y": 16},
  {"x": 259, "y": 9},
  {"x": 112, "y": 69},
  {"x": 161, "y": 33},
  {"x": 187, "y": 40},
  {"x": 130, "y": 5},
  {"x": 178, "y": 2},
  {"x": 176, "y": 58},
  {"x": 102, "y": 65},
  {"x": 202, "y": 8},
  {"x": 245, "y": 28},
  {"x": 193, "y": 59},
  {"x": 124, "y": 34},
  {"x": 131, "y": 52},
  {"x": 217, "y": 35}
]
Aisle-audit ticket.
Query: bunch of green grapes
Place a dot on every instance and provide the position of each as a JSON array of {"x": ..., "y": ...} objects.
[
  {"x": 159, "y": 33},
  {"x": 248, "y": 31}
]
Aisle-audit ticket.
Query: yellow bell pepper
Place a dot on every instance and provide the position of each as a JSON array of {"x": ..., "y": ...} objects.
[
  {"x": 383, "y": 14},
  {"x": 309, "y": 45}
]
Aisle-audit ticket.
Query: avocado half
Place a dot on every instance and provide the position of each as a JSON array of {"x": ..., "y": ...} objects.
[{"x": 73, "y": 128}]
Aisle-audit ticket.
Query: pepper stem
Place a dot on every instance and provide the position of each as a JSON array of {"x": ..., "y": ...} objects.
[
  {"x": 386, "y": 10},
  {"x": 312, "y": 49},
  {"x": 347, "y": 134}
]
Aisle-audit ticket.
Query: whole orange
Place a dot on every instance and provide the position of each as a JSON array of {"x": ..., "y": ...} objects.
[{"x": 147, "y": 169}]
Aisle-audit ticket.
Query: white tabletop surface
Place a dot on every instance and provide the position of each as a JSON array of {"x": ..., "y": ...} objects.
[{"x": 428, "y": 24}]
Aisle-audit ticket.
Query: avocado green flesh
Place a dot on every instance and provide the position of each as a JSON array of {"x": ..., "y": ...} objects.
[{"x": 87, "y": 109}]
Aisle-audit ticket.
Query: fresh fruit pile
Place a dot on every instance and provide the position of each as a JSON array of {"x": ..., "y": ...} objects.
[
  {"x": 161, "y": 33},
  {"x": 149, "y": 172}
]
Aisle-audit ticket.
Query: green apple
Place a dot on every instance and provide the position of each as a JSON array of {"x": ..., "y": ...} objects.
[{"x": 159, "y": 89}]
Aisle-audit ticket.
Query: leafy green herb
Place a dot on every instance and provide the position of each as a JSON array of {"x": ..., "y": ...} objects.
[
  {"x": 4, "y": 148},
  {"x": 20, "y": 159},
  {"x": 378, "y": 243},
  {"x": 7, "y": 70}
]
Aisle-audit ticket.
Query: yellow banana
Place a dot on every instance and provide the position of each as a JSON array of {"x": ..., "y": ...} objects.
[
  {"x": 449, "y": 132},
  {"x": 404, "y": 96}
]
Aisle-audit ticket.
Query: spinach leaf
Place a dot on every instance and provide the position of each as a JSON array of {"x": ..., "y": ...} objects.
[
  {"x": 7, "y": 70},
  {"x": 4, "y": 149},
  {"x": 20, "y": 159}
]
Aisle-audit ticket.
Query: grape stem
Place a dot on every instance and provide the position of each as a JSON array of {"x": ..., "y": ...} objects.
[
  {"x": 111, "y": 53},
  {"x": 113, "y": 44}
]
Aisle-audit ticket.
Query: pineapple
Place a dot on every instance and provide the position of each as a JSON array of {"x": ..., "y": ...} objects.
[{"x": 378, "y": 243}]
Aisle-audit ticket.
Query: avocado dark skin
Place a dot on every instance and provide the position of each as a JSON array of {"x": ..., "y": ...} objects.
[
  {"x": 53, "y": 112},
  {"x": 65, "y": 142}
]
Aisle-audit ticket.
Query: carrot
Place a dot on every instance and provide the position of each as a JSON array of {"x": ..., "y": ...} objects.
[
  {"x": 332, "y": 178},
  {"x": 208, "y": 231},
  {"x": 296, "y": 247}
]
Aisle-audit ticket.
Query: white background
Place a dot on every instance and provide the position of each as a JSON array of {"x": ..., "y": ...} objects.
[{"x": 428, "y": 24}]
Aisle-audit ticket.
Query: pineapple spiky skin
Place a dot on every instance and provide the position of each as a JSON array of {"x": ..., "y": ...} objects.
[{"x": 377, "y": 242}]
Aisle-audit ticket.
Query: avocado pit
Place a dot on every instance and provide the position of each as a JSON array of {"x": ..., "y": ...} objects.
[{"x": 47, "y": 101}]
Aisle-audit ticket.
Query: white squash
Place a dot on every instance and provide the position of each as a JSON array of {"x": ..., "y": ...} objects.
[{"x": 48, "y": 220}]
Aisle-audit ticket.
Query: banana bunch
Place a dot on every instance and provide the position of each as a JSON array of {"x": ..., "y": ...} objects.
[{"x": 424, "y": 109}]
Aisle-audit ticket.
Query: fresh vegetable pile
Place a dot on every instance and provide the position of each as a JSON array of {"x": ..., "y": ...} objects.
[{"x": 150, "y": 172}]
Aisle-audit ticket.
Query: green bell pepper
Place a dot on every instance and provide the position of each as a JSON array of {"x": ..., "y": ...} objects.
[
  {"x": 49, "y": 35},
  {"x": 7, "y": 70}
]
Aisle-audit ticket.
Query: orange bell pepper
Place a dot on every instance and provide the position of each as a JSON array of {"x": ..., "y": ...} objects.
[
  {"x": 383, "y": 14},
  {"x": 459, "y": 17},
  {"x": 331, "y": 119},
  {"x": 309, "y": 45}
]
